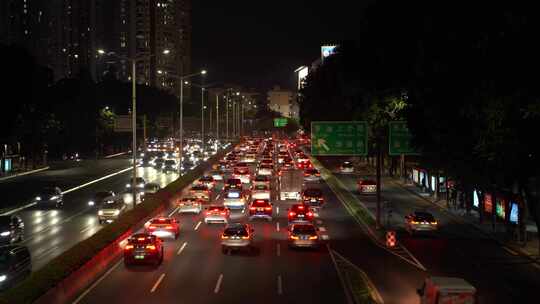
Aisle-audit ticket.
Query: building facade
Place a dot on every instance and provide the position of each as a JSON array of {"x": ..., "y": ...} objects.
[{"x": 282, "y": 101}]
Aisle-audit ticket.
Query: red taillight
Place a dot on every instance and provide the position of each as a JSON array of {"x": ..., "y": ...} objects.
[
  {"x": 151, "y": 227},
  {"x": 306, "y": 174},
  {"x": 252, "y": 208},
  {"x": 318, "y": 174},
  {"x": 268, "y": 208},
  {"x": 292, "y": 213},
  {"x": 151, "y": 247},
  {"x": 128, "y": 247},
  {"x": 223, "y": 213},
  {"x": 169, "y": 227},
  {"x": 310, "y": 214}
]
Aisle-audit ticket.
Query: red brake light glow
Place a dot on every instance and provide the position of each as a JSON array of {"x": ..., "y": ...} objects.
[
  {"x": 268, "y": 208},
  {"x": 292, "y": 213},
  {"x": 128, "y": 247},
  {"x": 151, "y": 247}
]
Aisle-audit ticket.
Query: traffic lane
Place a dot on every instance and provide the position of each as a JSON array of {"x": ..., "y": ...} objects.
[
  {"x": 23, "y": 189},
  {"x": 459, "y": 249},
  {"x": 49, "y": 233},
  {"x": 396, "y": 279}
]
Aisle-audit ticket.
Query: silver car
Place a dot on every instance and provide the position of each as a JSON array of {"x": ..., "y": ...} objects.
[
  {"x": 189, "y": 205},
  {"x": 312, "y": 175},
  {"x": 304, "y": 235},
  {"x": 420, "y": 221},
  {"x": 234, "y": 199},
  {"x": 216, "y": 214},
  {"x": 109, "y": 212},
  {"x": 236, "y": 236}
]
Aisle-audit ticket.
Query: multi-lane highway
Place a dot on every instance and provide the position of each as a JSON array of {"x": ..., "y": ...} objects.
[{"x": 456, "y": 249}]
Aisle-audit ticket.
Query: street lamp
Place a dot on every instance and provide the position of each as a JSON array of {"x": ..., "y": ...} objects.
[
  {"x": 133, "y": 111},
  {"x": 183, "y": 81}
]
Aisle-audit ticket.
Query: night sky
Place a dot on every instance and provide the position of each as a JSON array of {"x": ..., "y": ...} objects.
[{"x": 261, "y": 43}]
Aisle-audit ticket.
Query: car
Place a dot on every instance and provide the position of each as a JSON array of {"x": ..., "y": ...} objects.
[
  {"x": 261, "y": 179},
  {"x": 216, "y": 214},
  {"x": 50, "y": 196},
  {"x": 15, "y": 265},
  {"x": 346, "y": 167},
  {"x": 287, "y": 165},
  {"x": 207, "y": 180},
  {"x": 200, "y": 191},
  {"x": 282, "y": 156},
  {"x": 260, "y": 208},
  {"x": 260, "y": 191},
  {"x": 147, "y": 161},
  {"x": 170, "y": 165},
  {"x": 11, "y": 229},
  {"x": 266, "y": 170},
  {"x": 300, "y": 213},
  {"x": 143, "y": 248},
  {"x": 127, "y": 195},
  {"x": 139, "y": 181},
  {"x": 304, "y": 164},
  {"x": 151, "y": 188},
  {"x": 312, "y": 175},
  {"x": 111, "y": 210},
  {"x": 267, "y": 161},
  {"x": 303, "y": 235},
  {"x": 189, "y": 205},
  {"x": 313, "y": 197},
  {"x": 367, "y": 186},
  {"x": 233, "y": 183},
  {"x": 159, "y": 163},
  {"x": 162, "y": 227},
  {"x": 243, "y": 174},
  {"x": 217, "y": 175},
  {"x": 237, "y": 236},
  {"x": 101, "y": 197},
  {"x": 420, "y": 221},
  {"x": 234, "y": 199}
]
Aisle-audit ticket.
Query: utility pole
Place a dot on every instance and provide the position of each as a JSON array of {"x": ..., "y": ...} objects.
[
  {"x": 217, "y": 117},
  {"x": 227, "y": 118},
  {"x": 134, "y": 129},
  {"x": 378, "y": 218}
]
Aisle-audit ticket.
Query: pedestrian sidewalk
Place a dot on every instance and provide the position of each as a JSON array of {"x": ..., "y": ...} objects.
[
  {"x": 496, "y": 231},
  {"x": 14, "y": 174}
]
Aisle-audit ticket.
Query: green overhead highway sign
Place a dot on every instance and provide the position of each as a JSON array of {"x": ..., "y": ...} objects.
[
  {"x": 339, "y": 138},
  {"x": 400, "y": 139},
  {"x": 280, "y": 122}
]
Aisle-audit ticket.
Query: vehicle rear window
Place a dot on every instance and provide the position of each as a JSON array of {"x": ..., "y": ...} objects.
[
  {"x": 233, "y": 181},
  {"x": 199, "y": 187},
  {"x": 260, "y": 203},
  {"x": 261, "y": 187},
  {"x": 311, "y": 171},
  {"x": 235, "y": 232},
  {"x": 312, "y": 192},
  {"x": 347, "y": 165},
  {"x": 165, "y": 221},
  {"x": 216, "y": 208},
  {"x": 420, "y": 216},
  {"x": 142, "y": 239},
  {"x": 304, "y": 229},
  {"x": 241, "y": 171}
]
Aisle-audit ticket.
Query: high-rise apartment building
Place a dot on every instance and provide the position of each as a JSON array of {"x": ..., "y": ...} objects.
[{"x": 66, "y": 35}]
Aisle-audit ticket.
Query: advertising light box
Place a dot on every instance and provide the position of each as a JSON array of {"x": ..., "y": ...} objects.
[
  {"x": 514, "y": 212},
  {"x": 476, "y": 200}
]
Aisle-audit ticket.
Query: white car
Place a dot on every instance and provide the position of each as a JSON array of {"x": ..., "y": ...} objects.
[
  {"x": 346, "y": 167},
  {"x": 189, "y": 205},
  {"x": 266, "y": 170},
  {"x": 234, "y": 199},
  {"x": 260, "y": 191}
]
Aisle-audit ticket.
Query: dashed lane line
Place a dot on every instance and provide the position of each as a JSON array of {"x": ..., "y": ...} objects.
[
  {"x": 279, "y": 285},
  {"x": 277, "y": 226},
  {"x": 198, "y": 225},
  {"x": 157, "y": 283},
  {"x": 182, "y": 248},
  {"x": 218, "y": 283}
]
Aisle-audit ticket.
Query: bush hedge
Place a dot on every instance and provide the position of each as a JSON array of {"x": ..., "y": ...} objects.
[{"x": 50, "y": 275}]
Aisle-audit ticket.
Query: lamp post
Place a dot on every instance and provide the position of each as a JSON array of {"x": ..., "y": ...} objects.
[
  {"x": 183, "y": 81},
  {"x": 133, "y": 112},
  {"x": 217, "y": 119},
  {"x": 227, "y": 118}
]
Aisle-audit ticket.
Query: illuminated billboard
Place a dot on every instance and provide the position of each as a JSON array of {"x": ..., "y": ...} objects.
[
  {"x": 302, "y": 73},
  {"x": 327, "y": 50}
]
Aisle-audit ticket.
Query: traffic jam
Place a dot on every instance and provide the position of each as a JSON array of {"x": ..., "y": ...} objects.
[{"x": 259, "y": 181}]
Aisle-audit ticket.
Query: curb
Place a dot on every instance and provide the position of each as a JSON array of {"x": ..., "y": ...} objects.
[
  {"x": 463, "y": 221},
  {"x": 24, "y": 173}
]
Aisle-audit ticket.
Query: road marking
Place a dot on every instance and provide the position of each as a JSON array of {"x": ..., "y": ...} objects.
[
  {"x": 46, "y": 252},
  {"x": 279, "y": 285},
  {"x": 322, "y": 229},
  {"x": 198, "y": 224},
  {"x": 512, "y": 252},
  {"x": 105, "y": 275},
  {"x": 175, "y": 209},
  {"x": 218, "y": 283},
  {"x": 24, "y": 173},
  {"x": 157, "y": 283},
  {"x": 87, "y": 228},
  {"x": 182, "y": 248},
  {"x": 277, "y": 226},
  {"x": 278, "y": 248},
  {"x": 97, "y": 180},
  {"x": 114, "y": 155},
  {"x": 277, "y": 210},
  {"x": 217, "y": 197}
]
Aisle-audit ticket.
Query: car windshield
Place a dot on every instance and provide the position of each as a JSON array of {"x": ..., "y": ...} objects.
[
  {"x": 347, "y": 165},
  {"x": 423, "y": 216},
  {"x": 161, "y": 221},
  {"x": 304, "y": 229},
  {"x": 312, "y": 192},
  {"x": 113, "y": 205},
  {"x": 298, "y": 208},
  {"x": 236, "y": 231},
  {"x": 261, "y": 187},
  {"x": 311, "y": 171},
  {"x": 102, "y": 195}
]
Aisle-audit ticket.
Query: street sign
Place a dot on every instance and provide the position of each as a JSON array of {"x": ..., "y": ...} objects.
[
  {"x": 280, "y": 122},
  {"x": 400, "y": 139},
  {"x": 122, "y": 123},
  {"x": 339, "y": 138}
]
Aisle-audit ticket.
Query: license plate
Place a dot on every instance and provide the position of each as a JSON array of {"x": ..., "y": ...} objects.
[
  {"x": 139, "y": 257},
  {"x": 260, "y": 209},
  {"x": 313, "y": 200},
  {"x": 304, "y": 238},
  {"x": 300, "y": 215}
]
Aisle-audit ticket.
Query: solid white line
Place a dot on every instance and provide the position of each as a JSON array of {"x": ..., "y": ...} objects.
[
  {"x": 218, "y": 283},
  {"x": 175, "y": 209},
  {"x": 277, "y": 210},
  {"x": 182, "y": 248},
  {"x": 97, "y": 180},
  {"x": 24, "y": 173},
  {"x": 198, "y": 224},
  {"x": 113, "y": 155},
  {"x": 106, "y": 274},
  {"x": 322, "y": 229},
  {"x": 277, "y": 226},
  {"x": 278, "y": 248},
  {"x": 18, "y": 209},
  {"x": 157, "y": 282},
  {"x": 87, "y": 228},
  {"x": 279, "y": 285}
]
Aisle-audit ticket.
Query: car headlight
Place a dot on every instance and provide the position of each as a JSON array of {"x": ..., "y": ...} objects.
[
  {"x": 100, "y": 212},
  {"x": 116, "y": 212},
  {"x": 38, "y": 198},
  {"x": 5, "y": 233},
  {"x": 91, "y": 203},
  {"x": 128, "y": 185},
  {"x": 141, "y": 185},
  {"x": 3, "y": 278}
]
